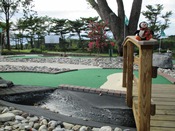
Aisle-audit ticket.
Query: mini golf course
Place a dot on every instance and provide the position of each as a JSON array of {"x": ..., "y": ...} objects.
[{"x": 93, "y": 78}]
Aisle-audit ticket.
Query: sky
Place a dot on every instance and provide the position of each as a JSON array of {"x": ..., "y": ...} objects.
[{"x": 74, "y": 9}]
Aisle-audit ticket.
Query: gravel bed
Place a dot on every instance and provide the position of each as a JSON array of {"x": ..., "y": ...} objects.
[{"x": 102, "y": 62}]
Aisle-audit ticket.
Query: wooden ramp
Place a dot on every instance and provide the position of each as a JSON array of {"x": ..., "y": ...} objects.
[{"x": 164, "y": 97}]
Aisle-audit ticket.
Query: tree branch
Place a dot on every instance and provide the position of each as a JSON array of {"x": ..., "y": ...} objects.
[{"x": 135, "y": 15}]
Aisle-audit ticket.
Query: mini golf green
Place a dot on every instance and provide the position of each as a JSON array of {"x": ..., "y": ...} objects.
[{"x": 86, "y": 77}]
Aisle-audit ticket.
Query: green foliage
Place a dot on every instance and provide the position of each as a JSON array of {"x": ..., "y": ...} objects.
[
  {"x": 156, "y": 19},
  {"x": 36, "y": 51}
]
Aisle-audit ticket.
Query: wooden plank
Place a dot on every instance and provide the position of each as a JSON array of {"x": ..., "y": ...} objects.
[
  {"x": 161, "y": 129},
  {"x": 144, "y": 88},
  {"x": 163, "y": 107},
  {"x": 165, "y": 103},
  {"x": 163, "y": 95},
  {"x": 153, "y": 106},
  {"x": 163, "y": 123},
  {"x": 165, "y": 112},
  {"x": 163, "y": 117},
  {"x": 163, "y": 86},
  {"x": 124, "y": 65},
  {"x": 135, "y": 112},
  {"x": 129, "y": 75},
  {"x": 164, "y": 98}
]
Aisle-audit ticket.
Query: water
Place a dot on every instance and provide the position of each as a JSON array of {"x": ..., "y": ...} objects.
[{"x": 86, "y": 106}]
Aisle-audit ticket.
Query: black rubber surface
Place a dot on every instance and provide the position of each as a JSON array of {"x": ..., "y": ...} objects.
[{"x": 76, "y": 107}]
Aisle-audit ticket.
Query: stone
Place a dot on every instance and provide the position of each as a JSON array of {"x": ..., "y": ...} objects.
[
  {"x": 76, "y": 127},
  {"x": 105, "y": 128},
  {"x": 6, "y": 117},
  {"x": 52, "y": 124},
  {"x": 8, "y": 128},
  {"x": 20, "y": 118},
  {"x": 36, "y": 125},
  {"x": 117, "y": 129},
  {"x": 68, "y": 125},
  {"x": 5, "y": 110},
  {"x": 95, "y": 129},
  {"x": 16, "y": 112},
  {"x": 162, "y": 61},
  {"x": 31, "y": 123},
  {"x": 2, "y": 108},
  {"x": 42, "y": 128},
  {"x": 84, "y": 128},
  {"x": 33, "y": 129},
  {"x": 43, "y": 122},
  {"x": 28, "y": 127},
  {"x": 59, "y": 129},
  {"x": 35, "y": 118}
]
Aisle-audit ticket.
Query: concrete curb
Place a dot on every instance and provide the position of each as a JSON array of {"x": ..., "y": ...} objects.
[
  {"x": 93, "y": 90},
  {"x": 168, "y": 77}
]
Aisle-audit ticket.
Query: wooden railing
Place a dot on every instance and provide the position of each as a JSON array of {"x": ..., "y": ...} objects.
[{"x": 142, "y": 104}]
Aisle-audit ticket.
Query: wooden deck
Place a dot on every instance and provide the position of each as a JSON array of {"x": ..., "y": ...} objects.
[{"x": 164, "y": 98}]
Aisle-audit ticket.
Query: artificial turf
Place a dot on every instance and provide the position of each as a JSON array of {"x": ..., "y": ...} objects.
[{"x": 85, "y": 77}]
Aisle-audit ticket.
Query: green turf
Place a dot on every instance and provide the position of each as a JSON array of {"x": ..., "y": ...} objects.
[
  {"x": 86, "y": 77},
  {"x": 158, "y": 80}
]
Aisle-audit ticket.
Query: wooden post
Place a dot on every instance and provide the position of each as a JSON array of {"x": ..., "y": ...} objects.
[
  {"x": 129, "y": 75},
  {"x": 142, "y": 105},
  {"x": 124, "y": 65},
  {"x": 144, "y": 88}
]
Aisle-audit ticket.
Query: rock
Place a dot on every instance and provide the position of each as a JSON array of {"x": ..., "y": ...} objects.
[
  {"x": 34, "y": 119},
  {"x": 36, "y": 126},
  {"x": 163, "y": 60},
  {"x": 84, "y": 128},
  {"x": 42, "y": 128},
  {"x": 20, "y": 118},
  {"x": 59, "y": 129},
  {"x": 5, "y": 110},
  {"x": 43, "y": 122},
  {"x": 2, "y": 108},
  {"x": 8, "y": 128},
  {"x": 28, "y": 127},
  {"x": 33, "y": 129},
  {"x": 16, "y": 112},
  {"x": 31, "y": 123},
  {"x": 68, "y": 125},
  {"x": 95, "y": 129},
  {"x": 52, "y": 124},
  {"x": 105, "y": 128},
  {"x": 25, "y": 115},
  {"x": 76, "y": 127},
  {"x": 117, "y": 129},
  {"x": 6, "y": 117}
]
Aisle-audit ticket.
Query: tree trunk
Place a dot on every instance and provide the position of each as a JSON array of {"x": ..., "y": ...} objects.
[
  {"x": 116, "y": 22},
  {"x": 7, "y": 33}
]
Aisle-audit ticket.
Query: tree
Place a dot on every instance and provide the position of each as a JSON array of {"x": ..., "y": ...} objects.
[
  {"x": 2, "y": 26},
  {"x": 59, "y": 28},
  {"x": 77, "y": 26},
  {"x": 97, "y": 35},
  {"x": 156, "y": 20},
  {"x": 19, "y": 32},
  {"x": 9, "y": 8},
  {"x": 116, "y": 21}
]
